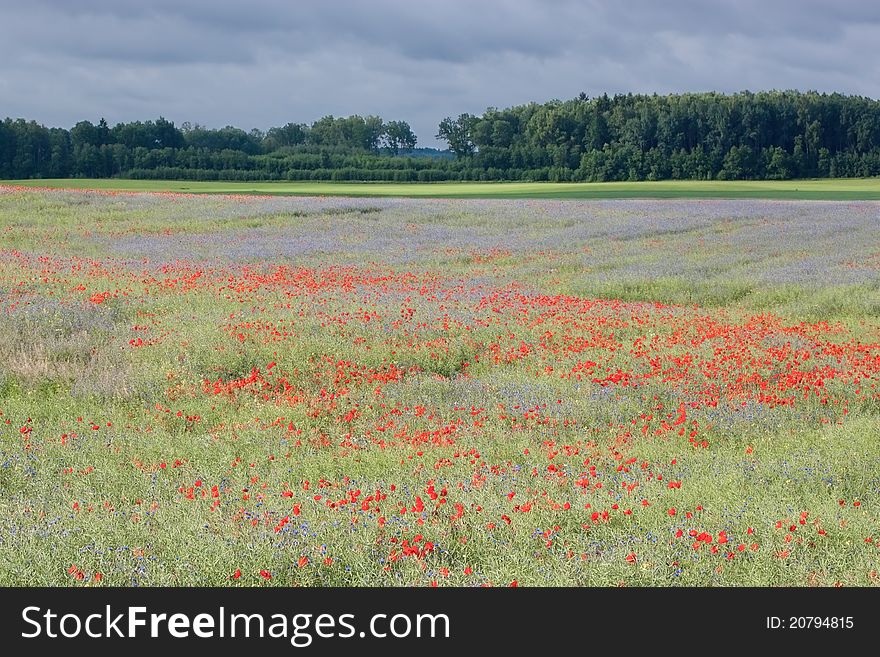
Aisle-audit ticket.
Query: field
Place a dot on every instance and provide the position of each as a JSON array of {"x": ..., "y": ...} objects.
[
  {"x": 274, "y": 391},
  {"x": 853, "y": 189}
]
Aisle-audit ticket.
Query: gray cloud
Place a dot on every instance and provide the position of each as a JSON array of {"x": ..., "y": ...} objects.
[{"x": 266, "y": 62}]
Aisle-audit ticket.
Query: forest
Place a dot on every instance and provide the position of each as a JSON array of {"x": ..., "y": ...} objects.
[{"x": 771, "y": 135}]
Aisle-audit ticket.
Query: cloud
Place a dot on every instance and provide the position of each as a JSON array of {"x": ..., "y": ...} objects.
[{"x": 267, "y": 62}]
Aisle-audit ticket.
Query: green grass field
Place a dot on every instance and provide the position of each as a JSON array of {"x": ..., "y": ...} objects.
[{"x": 823, "y": 189}]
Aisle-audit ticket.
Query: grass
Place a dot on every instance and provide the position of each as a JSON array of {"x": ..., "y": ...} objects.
[
  {"x": 206, "y": 390},
  {"x": 820, "y": 189}
]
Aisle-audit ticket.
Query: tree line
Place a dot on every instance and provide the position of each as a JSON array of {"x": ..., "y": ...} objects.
[
  {"x": 766, "y": 135},
  {"x": 331, "y": 146},
  {"x": 741, "y": 136}
]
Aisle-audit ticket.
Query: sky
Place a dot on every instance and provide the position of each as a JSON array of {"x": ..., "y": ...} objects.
[{"x": 263, "y": 63}]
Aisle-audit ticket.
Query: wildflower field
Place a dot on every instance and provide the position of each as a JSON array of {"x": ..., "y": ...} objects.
[{"x": 276, "y": 391}]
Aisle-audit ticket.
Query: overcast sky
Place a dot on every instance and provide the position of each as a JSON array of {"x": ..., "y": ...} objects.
[{"x": 261, "y": 63}]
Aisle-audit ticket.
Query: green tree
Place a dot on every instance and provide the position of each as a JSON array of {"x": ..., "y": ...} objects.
[
  {"x": 457, "y": 133},
  {"x": 290, "y": 134},
  {"x": 398, "y": 135}
]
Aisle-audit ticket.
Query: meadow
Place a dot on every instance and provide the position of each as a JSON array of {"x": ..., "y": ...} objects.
[
  {"x": 317, "y": 391},
  {"x": 841, "y": 189}
]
